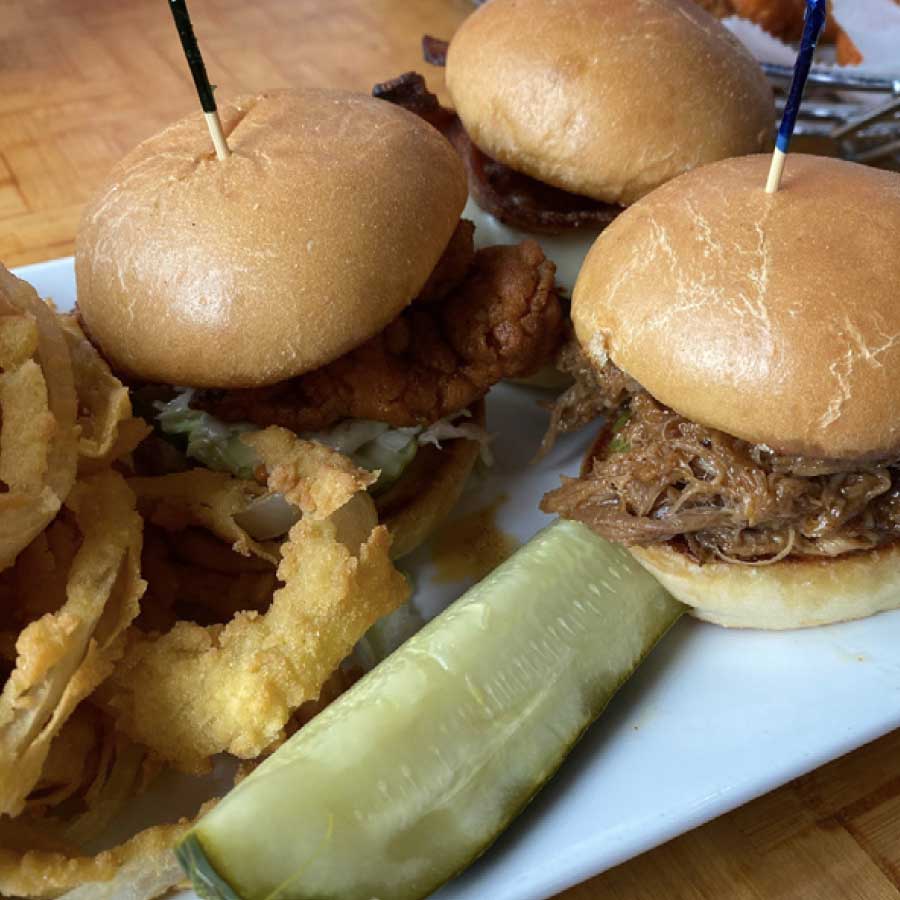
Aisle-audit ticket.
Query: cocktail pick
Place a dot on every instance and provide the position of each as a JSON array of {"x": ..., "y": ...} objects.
[
  {"x": 201, "y": 80},
  {"x": 815, "y": 21}
]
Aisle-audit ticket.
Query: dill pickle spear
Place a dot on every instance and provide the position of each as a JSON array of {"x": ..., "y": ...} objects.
[{"x": 409, "y": 776}]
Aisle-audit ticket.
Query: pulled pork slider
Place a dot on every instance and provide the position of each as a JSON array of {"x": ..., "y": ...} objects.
[
  {"x": 568, "y": 111},
  {"x": 745, "y": 349},
  {"x": 320, "y": 279}
]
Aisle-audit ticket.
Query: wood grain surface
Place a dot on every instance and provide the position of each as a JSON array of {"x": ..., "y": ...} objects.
[{"x": 82, "y": 81}]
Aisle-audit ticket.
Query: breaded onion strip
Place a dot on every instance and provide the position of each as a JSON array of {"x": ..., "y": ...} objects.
[
  {"x": 139, "y": 869},
  {"x": 205, "y": 498},
  {"x": 64, "y": 655},
  {"x": 194, "y": 692},
  {"x": 311, "y": 476},
  {"x": 108, "y": 430},
  {"x": 38, "y": 436}
]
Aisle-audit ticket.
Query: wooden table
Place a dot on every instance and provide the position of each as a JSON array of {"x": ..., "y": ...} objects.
[{"x": 82, "y": 82}]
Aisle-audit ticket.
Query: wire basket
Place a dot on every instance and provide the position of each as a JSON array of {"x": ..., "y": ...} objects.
[{"x": 856, "y": 117}]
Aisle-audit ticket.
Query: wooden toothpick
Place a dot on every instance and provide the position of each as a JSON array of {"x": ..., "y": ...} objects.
[
  {"x": 201, "y": 81},
  {"x": 816, "y": 12}
]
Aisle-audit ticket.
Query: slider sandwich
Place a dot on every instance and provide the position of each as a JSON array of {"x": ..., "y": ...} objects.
[
  {"x": 744, "y": 348},
  {"x": 566, "y": 112},
  {"x": 319, "y": 279}
]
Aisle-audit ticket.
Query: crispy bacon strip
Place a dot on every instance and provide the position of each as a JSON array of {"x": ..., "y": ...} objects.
[
  {"x": 434, "y": 50},
  {"x": 410, "y": 91}
]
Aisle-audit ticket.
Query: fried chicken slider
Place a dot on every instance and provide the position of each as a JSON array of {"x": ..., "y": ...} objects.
[
  {"x": 320, "y": 279},
  {"x": 745, "y": 349}
]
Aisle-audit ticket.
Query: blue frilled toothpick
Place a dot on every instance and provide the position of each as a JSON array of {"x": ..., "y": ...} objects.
[
  {"x": 815, "y": 21},
  {"x": 201, "y": 79}
]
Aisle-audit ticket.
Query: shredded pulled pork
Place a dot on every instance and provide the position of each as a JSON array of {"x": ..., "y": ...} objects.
[
  {"x": 660, "y": 477},
  {"x": 512, "y": 197},
  {"x": 592, "y": 392}
]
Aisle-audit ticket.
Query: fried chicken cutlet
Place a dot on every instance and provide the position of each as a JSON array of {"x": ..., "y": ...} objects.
[{"x": 482, "y": 317}]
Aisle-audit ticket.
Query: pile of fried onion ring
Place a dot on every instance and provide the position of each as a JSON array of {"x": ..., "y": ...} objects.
[{"x": 143, "y": 632}]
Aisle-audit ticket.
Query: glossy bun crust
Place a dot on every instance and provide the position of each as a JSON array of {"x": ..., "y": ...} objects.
[
  {"x": 606, "y": 98},
  {"x": 774, "y": 318},
  {"x": 322, "y": 225}
]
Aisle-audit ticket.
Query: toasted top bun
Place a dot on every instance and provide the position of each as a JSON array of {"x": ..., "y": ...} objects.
[
  {"x": 606, "y": 98},
  {"x": 322, "y": 225},
  {"x": 772, "y": 317}
]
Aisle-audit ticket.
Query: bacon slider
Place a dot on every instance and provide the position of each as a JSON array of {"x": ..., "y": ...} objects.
[{"x": 568, "y": 111}]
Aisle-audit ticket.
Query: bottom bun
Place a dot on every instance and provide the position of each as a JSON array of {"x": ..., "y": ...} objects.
[
  {"x": 793, "y": 593},
  {"x": 426, "y": 492}
]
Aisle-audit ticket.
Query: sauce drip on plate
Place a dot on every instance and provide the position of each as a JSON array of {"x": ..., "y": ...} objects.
[{"x": 470, "y": 547}]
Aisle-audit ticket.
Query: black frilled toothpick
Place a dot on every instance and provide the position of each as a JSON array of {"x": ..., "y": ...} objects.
[
  {"x": 201, "y": 80},
  {"x": 816, "y": 12}
]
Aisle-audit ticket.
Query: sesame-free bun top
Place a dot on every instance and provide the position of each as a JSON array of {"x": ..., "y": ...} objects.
[
  {"x": 772, "y": 317},
  {"x": 606, "y": 98},
  {"x": 320, "y": 227}
]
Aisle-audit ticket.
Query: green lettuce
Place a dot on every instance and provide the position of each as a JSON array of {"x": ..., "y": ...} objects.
[
  {"x": 374, "y": 446},
  {"x": 214, "y": 443}
]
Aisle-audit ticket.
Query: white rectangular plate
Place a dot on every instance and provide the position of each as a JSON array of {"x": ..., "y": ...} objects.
[{"x": 713, "y": 719}]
